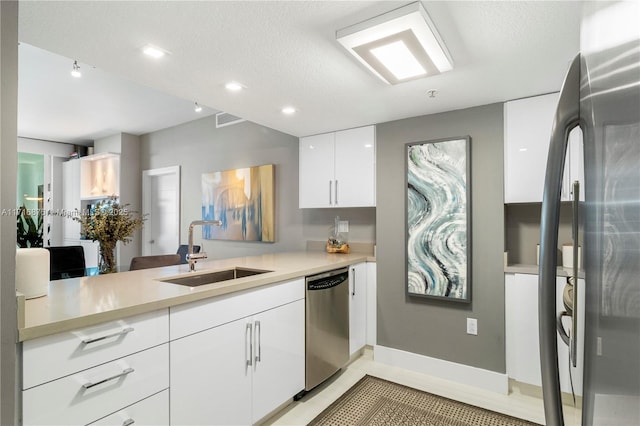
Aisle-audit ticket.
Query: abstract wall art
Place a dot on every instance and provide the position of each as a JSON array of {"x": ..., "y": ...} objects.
[
  {"x": 243, "y": 200},
  {"x": 438, "y": 222}
]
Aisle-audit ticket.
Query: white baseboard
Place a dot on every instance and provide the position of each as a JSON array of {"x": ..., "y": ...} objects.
[{"x": 460, "y": 373}]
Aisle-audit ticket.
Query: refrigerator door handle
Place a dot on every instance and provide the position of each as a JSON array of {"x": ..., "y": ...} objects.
[{"x": 566, "y": 118}]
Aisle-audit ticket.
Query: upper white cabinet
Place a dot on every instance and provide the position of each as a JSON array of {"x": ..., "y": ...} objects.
[
  {"x": 71, "y": 197},
  {"x": 338, "y": 169},
  {"x": 527, "y": 129},
  {"x": 527, "y": 134}
]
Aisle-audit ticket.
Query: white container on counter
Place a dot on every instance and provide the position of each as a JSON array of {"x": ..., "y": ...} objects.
[
  {"x": 567, "y": 256},
  {"x": 32, "y": 272}
]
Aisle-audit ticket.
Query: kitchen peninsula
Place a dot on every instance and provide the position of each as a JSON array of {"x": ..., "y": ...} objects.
[{"x": 132, "y": 346}]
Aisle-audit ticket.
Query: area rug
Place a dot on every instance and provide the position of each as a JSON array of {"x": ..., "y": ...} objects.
[{"x": 374, "y": 401}]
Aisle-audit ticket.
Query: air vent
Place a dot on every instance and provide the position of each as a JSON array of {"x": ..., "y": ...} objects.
[{"x": 226, "y": 119}]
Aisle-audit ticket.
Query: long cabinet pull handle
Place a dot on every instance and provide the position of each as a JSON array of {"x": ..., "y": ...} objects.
[
  {"x": 128, "y": 422},
  {"x": 353, "y": 270},
  {"x": 259, "y": 341},
  {"x": 97, "y": 339},
  {"x": 249, "y": 329},
  {"x": 330, "y": 190},
  {"x": 336, "y": 192},
  {"x": 126, "y": 371}
]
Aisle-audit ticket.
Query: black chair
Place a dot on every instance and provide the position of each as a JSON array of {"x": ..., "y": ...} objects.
[
  {"x": 66, "y": 262},
  {"x": 183, "y": 250},
  {"x": 157, "y": 261}
]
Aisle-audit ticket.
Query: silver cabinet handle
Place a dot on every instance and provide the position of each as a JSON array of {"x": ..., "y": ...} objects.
[
  {"x": 330, "y": 190},
  {"x": 126, "y": 371},
  {"x": 259, "y": 341},
  {"x": 567, "y": 117},
  {"x": 353, "y": 270},
  {"x": 249, "y": 329},
  {"x": 336, "y": 192},
  {"x": 97, "y": 339},
  {"x": 128, "y": 422}
]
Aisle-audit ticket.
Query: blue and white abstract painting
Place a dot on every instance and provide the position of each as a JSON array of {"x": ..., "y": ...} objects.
[{"x": 438, "y": 219}]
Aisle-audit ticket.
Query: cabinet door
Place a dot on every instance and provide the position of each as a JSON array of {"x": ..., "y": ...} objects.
[
  {"x": 210, "y": 378},
  {"x": 316, "y": 171},
  {"x": 357, "y": 307},
  {"x": 527, "y": 131},
  {"x": 355, "y": 167},
  {"x": 278, "y": 357},
  {"x": 372, "y": 300}
]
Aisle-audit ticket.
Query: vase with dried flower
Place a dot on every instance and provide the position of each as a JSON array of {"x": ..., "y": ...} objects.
[{"x": 109, "y": 222}]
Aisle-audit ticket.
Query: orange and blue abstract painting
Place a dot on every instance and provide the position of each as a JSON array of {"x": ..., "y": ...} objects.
[{"x": 243, "y": 200}]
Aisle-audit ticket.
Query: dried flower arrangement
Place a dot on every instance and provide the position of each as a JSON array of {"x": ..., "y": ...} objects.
[{"x": 109, "y": 222}]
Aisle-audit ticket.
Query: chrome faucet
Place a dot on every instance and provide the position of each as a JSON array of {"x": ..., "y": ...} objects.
[{"x": 192, "y": 257}]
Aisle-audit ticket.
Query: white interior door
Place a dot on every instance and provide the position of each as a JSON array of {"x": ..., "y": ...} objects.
[{"x": 161, "y": 205}]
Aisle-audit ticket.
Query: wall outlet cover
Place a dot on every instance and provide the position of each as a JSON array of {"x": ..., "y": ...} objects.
[
  {"x": 472, "y": 326},
  {"x": 343, "y": 226}
]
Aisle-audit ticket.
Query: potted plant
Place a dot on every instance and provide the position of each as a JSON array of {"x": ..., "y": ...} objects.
[
  {"x": 109, "y": 222},
  {"x": 29, "y": 231}
]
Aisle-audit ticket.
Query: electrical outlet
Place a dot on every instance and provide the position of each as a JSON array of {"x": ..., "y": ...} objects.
[
  {"x": 472, "y": 326},
  {"x": 599, "y": 346},
  {"x": 343, "y": 226}
]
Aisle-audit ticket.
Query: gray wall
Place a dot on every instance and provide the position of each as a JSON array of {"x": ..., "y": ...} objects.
[
  {"x": 318, "y": 223},
  {"x": 8, "y": 172},
  {"x": 430, "y": 327},
  {"x": 198, "y": 147}
]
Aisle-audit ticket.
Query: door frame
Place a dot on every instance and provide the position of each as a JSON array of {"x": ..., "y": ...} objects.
[{"x": 146, "y": 202}]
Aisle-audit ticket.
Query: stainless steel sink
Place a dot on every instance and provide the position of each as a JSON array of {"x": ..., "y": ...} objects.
[{"x": 215, "y": 277}]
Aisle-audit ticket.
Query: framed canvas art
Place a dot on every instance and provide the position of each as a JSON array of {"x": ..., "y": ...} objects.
[{"x": 438, "y": 219}]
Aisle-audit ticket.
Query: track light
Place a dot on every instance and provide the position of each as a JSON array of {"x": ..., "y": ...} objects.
[
  {"x": 75, "y": 72},
  {"x": 197, "y": 108}
]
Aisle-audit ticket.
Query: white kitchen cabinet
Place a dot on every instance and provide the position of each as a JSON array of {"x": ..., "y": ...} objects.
[
  {"x": 522, "y": 337},
  {"x": 81, "y": 376},
  {"x": 357, "y": 307},
  {"x": 152, "y": 411},
  {"x": 100, "y": 176},
  {"x": 527, "y": 133},
  {"x": 89, "y": 395},
  {"x": 240, "y": 369},
  {"x": 338, "y": 169},
  {"x": 372, "y": 300}
]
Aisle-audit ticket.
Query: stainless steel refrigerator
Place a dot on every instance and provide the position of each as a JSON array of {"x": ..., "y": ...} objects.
[{"x": 601, "y": 95}]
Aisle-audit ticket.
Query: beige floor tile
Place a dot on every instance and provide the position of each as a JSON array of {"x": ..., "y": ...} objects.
[{"x": 517, "y": 403}]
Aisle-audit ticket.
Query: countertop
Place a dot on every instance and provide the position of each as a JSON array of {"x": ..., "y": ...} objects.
[{"x": 80, "y": 302}]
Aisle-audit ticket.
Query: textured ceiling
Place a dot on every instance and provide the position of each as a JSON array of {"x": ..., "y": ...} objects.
[{"x": 286, "y": 53}]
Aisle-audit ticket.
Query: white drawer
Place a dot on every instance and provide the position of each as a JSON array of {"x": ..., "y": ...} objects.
[
  {"x": 95, "y": 393},
  {"x": 153, "y": 411},
  {"x": 51, "y": 357},
  {"x": 197, "y": 316}
]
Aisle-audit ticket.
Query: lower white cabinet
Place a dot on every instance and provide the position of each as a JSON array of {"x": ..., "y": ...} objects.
[
  {"x": 522, "y": 337},
  {"x": 238, "y": 372},
  {"x": 357, "y": 307},
  {"x": 89, "y": 395},
  {"x": 152, "y": 411}
]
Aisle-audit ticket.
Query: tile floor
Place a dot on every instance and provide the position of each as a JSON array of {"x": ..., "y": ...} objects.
[{"x": 515, "y": 404}]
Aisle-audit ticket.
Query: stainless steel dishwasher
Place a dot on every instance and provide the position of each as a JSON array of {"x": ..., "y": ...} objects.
[{"x": 327, "y": 325}]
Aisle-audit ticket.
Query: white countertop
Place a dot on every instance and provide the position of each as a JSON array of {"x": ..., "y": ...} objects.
[{"x": 80, "y": 302}]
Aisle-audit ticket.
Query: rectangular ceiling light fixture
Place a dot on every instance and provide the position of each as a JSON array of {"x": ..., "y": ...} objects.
[{"x": 398, "y": 46}]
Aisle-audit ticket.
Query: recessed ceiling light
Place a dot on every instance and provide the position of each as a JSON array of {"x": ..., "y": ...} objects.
[
  {"x": 153, "y": 51},
  {"x": 288, "y": 110},
  {"x": 404, "y": 35},
  {"x": 197, "y": 108},
  {"x": 75, "y": 71},
  {"x": 234, "y": 86}
]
